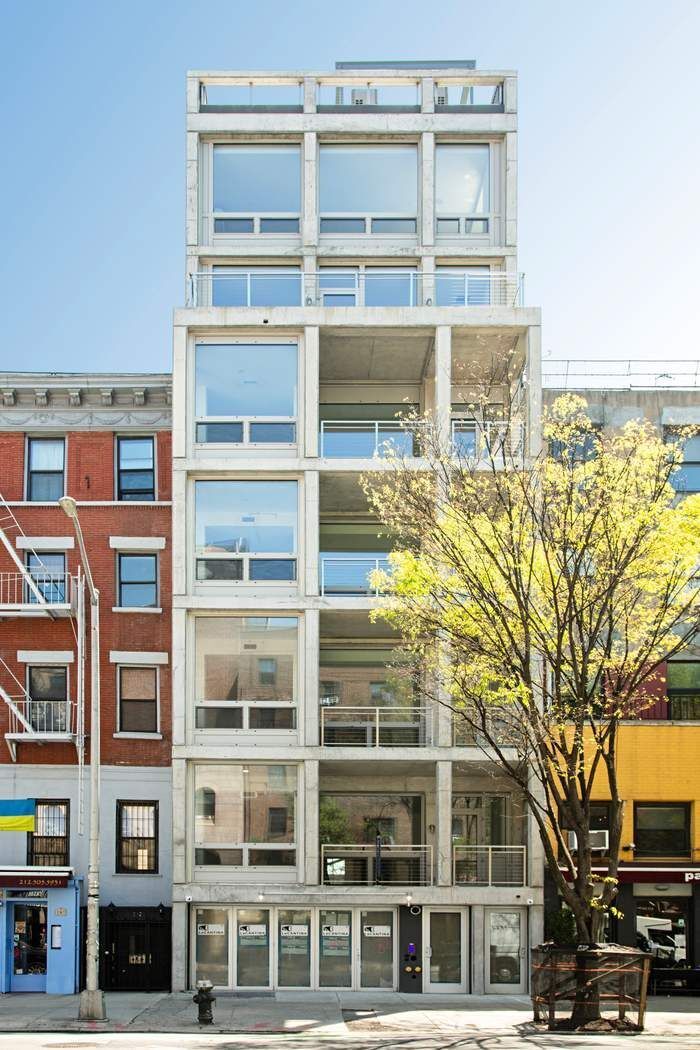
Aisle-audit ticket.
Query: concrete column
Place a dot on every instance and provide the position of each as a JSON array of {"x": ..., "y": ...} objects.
[
  {"x": 510, "y": 94},
  {"x": 426, "y": 292},
  {"x": 443, "y": 795},
  {"x": 443, "y": 379},
  {"x": 179, "y": 679},
  {"x": 195, "y": 224},
  {"x": 311, "y": 391},
  {"x": 179, "y": 396},
  {"x": 534, "y": 391},
  {"x": 478, "y": 954},
  {"x": 427, "y": 95},
  {"x": 309, "y": 95},
  {"x": 180, "y": 808},
  {"x": 309, "y": 223},
  {"x": 179, "y": 532},
  {"x": 428, "y": 188},
  {"x": 509, "y": 221},
  {"x": 179, "y": 946},
  {"x": 311, "y": 846},
  {"x": 309, "y": 708},
  {"x": 311, "y": 531}
]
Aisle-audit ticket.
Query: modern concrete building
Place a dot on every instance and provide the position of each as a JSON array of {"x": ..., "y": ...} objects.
[
  {"x": 351, "y": 254},
  {"x": 103, "y": 440}
]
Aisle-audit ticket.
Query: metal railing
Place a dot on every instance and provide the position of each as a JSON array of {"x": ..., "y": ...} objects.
[
  {"x": 374, "y": 864},
  {"x": 489, "y": 865},
  {"x": 620, "y": 374},
  {"x": 370, "y": 288},
  {"x": 42, "y": 717},
  {"x": 375, "y": 727},
  {"x": 14, "y": 589},
  {"x": 365, "y": 439},
  {"x": 350, "y": 576},
  {"x": 497, "y": 439}
]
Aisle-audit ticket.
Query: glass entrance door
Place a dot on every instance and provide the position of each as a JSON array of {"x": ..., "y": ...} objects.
[
  {"x": 445, "y": 950},
  {"x": 506, "y": 938},
  {"x": 28, "y": 948},
  {"x": 335, "y": 949},
  {"x": 253, "y": 948},
  {"x": 377, "y": 949}
]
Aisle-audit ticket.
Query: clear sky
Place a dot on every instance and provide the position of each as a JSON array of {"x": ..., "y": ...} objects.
[{"x": 92, "y": 174}]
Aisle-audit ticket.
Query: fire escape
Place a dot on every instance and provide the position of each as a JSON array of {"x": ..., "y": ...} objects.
[{"x": 31, "y": 594}]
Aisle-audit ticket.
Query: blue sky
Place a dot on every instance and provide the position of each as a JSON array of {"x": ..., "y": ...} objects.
[{"x": 92, "y": 174}]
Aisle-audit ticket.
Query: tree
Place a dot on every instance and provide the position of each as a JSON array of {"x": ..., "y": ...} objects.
[{"x": 539, "y": 601}]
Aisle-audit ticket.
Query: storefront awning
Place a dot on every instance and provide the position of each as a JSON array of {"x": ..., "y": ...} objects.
[{"x": 27, "y": 878}]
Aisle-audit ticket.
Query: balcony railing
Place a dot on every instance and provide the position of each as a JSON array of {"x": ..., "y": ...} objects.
[
  {"x": 42, "y": 718},
  {"x": 350, "y": 576},
  {"x": 365, "y": 439},
  {"x": 375, "y": 727},
  {"x": 489, "y": 865},
  {"x": 373, "y": 865},
  {"x": 497, "y": 439},
  {"x": 370, "y": 288},
  {"x": 16, "y": 591}
]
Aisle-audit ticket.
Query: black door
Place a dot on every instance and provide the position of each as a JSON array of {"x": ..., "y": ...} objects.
[{"x": 137, "y": 956}]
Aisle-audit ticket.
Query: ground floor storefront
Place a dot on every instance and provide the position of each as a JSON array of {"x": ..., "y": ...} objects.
[
  {"x": 408, "y": 948},
  {"x": 40, "y": 930}
]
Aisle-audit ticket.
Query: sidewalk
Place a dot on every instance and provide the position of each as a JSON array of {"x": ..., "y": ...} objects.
[{"x": 330, "y": 1015}]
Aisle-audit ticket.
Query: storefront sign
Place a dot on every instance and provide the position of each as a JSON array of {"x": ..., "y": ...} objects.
[
  {"x": 294, "y": 930},
  {"x": 336, "y": 931},
  {"x": 691, "y": 876},
  {"x": 34, "y": 895},
  {"x": 17, "y": 881},
  {"x": 210, "y": 929},
  {"x": 253, "y": 931},
  {"x": 335, "y": 940},
  {"x": 376, "y": 931}
]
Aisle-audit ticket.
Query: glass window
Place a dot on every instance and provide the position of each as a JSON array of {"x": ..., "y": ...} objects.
[
  {"x": 45, "y": 466},
  {"x": 683, "y": 690},
  {"x": 366, "y": 678},
  {"x": 135, "y": 469},
  {"x": 48, "y": 698},
  {"x": 250, "y": 822},
  {"x": 369, "y": 179},
  {"x": 335, "y": 949},
  {"x": 138, "y": 574},
  {"x": 251, "y": 379},
  {"x": 256, "y": 286},
  {"x": 396, "y": 819},
  {"x": 394, "y": 287},
  {"x": 137, "y": 838},
  {"x": 48, "y": 844},
  {"x": 138, "y": 699},
  {"x": 687, "y": 477},
  {"x": 253, "y": 948},
  {"x": 236, "y": 520},
  {"x": 211, "y": 946},
  {"x": 49, "y": 573},
  {"x": 294, "y": 948},
  {"x": 243, "y": 661},
  {"x": 462, "y": 180},
  {"x": 257, "y": 179},
  {"x": 662, "y": 829}
]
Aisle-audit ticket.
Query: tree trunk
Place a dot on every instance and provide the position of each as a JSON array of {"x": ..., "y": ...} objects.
[{"x": 587, "y": 1000}]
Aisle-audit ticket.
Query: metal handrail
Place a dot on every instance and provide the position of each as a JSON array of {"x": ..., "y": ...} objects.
[
  {"x": 489, "y": 865},
  {"x": 491, "y": 436},
  {"x": 371, "y": 864},
  {"x": 378, "y": 564},
  {"x": 380, "y": 726},
  {"x": 14, "y": 588},
  {"x": 45, "y": 717},
  {"x": 375, "y": 427}
]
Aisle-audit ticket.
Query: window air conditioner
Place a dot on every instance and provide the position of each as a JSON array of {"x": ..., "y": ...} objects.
[
  {"x": 363, "y": 97},
  {"x": 441, "y": 95},
  {"x": 600, "y": 841}
]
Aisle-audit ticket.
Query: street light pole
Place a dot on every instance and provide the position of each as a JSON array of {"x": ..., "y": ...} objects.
[{"x": 92, "y": 1005}]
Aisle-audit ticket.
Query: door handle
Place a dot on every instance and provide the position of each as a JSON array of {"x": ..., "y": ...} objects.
[{"x": 428, "y": 951}]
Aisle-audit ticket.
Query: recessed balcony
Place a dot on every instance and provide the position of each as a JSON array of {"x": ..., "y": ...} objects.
[
  {"x": 489, "y": 865},
  {"x": 375, "y": 864}
]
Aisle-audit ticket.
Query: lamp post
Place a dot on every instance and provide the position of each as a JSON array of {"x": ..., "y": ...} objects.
[{"x": 92, "y": 1005}]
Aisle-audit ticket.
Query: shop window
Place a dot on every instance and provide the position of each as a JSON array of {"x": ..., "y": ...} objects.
[
  {"x": 138, "y": 699},
  {"x": 45, "y": 469},
  {"x": 662, "y": 926},
  {"x": 135, "y": 469},
  {"x": 246, "y": 669},
  {"x": 137, "y": 838},
  {"x": 138, "y": 581},
  {"x": 48, "y": 844},
  {"x": 683, "y": 690},
  {"x": 246, "y": 531},
  {"x": 662, "y": 829},
  {"x": 254, "y": 820}
]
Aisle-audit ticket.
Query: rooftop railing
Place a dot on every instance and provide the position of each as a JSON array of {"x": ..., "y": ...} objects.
[
  {"x": 374, "y": 864},
  {"x": 489, "y": 865},
  {"x": 620, "y": 374},
  {"x": 349, "y": 288},
  {"x": 375, "y": 727}
]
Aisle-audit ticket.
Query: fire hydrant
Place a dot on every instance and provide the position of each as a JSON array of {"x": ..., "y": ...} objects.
[{"x": 204, "y": 1000}]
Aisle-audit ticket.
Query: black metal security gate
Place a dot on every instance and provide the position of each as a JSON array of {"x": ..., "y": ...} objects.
[{"x": 135, "y": 949}]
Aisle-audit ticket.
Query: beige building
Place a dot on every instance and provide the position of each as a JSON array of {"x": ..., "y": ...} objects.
[{"x": 351, "y": 254}]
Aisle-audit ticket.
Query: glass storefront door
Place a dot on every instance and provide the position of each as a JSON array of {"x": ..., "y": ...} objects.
[
  {"x": 293, "y": 949},
  {"x": 377, "y": 949},
  {"x": 335, "y": 949},
  {"x": 253, "y": 948},
  {"x": 28, "y": 948},
  {"x": 211, "y": 946},
  {"x": 505, "y": 935},
  {"x": 445, "y": 947}
]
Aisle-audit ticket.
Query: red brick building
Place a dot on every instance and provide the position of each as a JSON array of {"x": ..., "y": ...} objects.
[{"x": 103, "y": 440}]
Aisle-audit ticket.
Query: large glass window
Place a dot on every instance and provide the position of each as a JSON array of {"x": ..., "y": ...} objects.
[
  {"x": 246, "y": 672},
  {"x": 294, "y": 948},
  {"x": 250, "y": 816},
  {"x": 246, "y": 530},
  {"x": 135, "y": 469},
  {"x": 48, "y": 844},
  {"x": 368, "y": 188},
  {"x": 256, "y": 286},
  {"x": 211, "y": 950},
  {"x": 257, "y": 188},
  {"x": 45, "y": 467},
  {"x": 246, "y": 393},
  {"x": 683, "y": 689},
  {"x": 462, "y": 189},
  {"x": 662, "y": 829},
  {"x": 137, "y": 838},
  {"x": 357, "y": 677}
]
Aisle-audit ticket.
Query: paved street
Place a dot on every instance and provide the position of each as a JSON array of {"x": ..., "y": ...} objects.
[{"x": 299, "y": 1021}]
